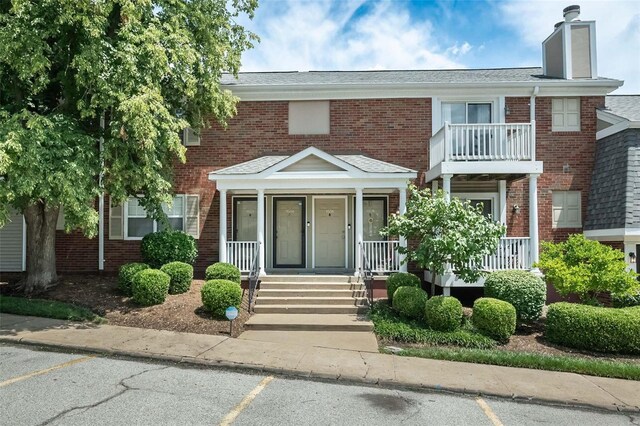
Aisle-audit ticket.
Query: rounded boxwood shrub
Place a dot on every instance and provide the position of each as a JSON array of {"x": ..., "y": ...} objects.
[
  {"x": 181, "y": 275},
  {"x": 160, "y": 248},
  {"x": 401, "y": 279},
  {"x": 218, "y": 295},
  {"x": 594, "y": 328},
  {"x": 443, "y": 313},
  {"x": 409, "y": 302},
  {"x": 494, "y": 318},
  {"x": 126, "y": 274},
  {"x": 150, "y": 287},
  {"x": 223, "y": 271},
  {"x": 526, "y": 292}
]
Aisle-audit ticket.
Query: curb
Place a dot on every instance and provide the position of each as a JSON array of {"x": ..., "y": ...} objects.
[{"x": 322, "y": 377}]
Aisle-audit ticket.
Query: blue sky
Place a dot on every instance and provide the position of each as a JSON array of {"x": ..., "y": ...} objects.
[{"x": 303, "y": 35}]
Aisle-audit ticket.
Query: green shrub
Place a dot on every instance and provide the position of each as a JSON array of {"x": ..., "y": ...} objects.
[
  {"x": 181, "y": 275},
  {"x": 625, "y": 301},
  {"x": 126, "y": 274},
  {"x": 401, "y": 279},
  {"x": 409, "y": 301},
  {"x": 443, "y": 313},
  {"x": 594, "y": 328},
  {"x": 223, "y": 271},
  {"x": 494, "y": 318},
  {"x": 150, "y": 287},
  {"x": 526, "y": 292},
  {"x": 160, "y": 248},
  {"x": 218, "y": 295}
]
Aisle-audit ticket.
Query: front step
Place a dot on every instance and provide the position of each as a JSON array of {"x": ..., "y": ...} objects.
[
  {"x": 310, "y": 286},
  {"x": 345, "y": 301},
  {"x": 310, "y": 293},
  {"x": 309, "y": 278},
  {"x": 306, "y": 322},
  {"x": 310, "y": 309}
]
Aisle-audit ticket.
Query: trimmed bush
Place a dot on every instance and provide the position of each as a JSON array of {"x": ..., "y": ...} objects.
[
  {"x": 126, "y": 274},
  {"x": 181, "y": 275},
  {"x": 218, "y": 295},
  {"x": 625, "y": 301},
  {"x": 150, "y": 287},
  {"x": 160, "y": 248},
  {"x": 443, "y": 313},
  {"x": 526, "y": 292},
  {"x": 401, "y": 279},
  {"x": 409, "y": 302},
  {"x": 594, "y": 328},
  {"x": 222, "y": 271},
  {"x": 494, "y": 318}
]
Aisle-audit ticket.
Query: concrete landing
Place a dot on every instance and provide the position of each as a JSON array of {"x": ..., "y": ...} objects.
[
  {"x": 348, "y": 340},
  {"x": 306, "y": 322}
]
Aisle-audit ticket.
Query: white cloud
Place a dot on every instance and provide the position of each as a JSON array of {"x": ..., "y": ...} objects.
[
  {"x": 617, "y": 33},
  {"x": 327, "y": 35}
]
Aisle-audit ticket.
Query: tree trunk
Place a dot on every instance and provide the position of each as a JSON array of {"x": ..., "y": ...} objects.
[{"x": 41, "y": 248}]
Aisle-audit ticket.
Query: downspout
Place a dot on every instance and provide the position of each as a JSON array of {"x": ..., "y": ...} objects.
[
  {"x": 532, "y": 119},
  {"x": 101, "y": 200}
]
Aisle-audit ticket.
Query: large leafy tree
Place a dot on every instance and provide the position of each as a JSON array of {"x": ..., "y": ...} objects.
[
  {"x": 132, "y": 72},
  {"x": 447, "y": 233}
]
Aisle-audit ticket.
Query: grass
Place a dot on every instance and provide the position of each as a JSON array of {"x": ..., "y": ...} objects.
[
  {"x": 592, "y": 367},
  {"x": 47, "y": 309},
  {"x": 389, "y": 325}
]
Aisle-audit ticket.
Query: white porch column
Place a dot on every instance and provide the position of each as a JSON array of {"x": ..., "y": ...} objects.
[
  {"x": 359, "y": 229},
  {"x": 533, "y": 219},
  {"x": 502, "y": 189},
  {"x": 446, "y": 186},
  {"x": 260, "y": 218},
  {"x": 434, "y": 186},
  {"x": 222, "y": 254},
  {"x": 402, "y": 207}
]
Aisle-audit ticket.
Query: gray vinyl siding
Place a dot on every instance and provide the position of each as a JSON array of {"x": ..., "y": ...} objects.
[{"x": 11, "y": 245}]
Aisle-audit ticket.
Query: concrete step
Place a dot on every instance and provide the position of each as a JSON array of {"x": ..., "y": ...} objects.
[
  {"x": 310, "y": 293},
  {"x": 310, "y": 309},
  {"x": 310, "y": 286},
  {"x": 346, "y": 301},
  {"x": 309, "y": 278},
  {"x": 295, "y": 322}
]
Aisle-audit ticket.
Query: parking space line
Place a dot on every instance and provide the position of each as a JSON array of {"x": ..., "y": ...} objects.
[
  {"x": 233, "y": 414},
  {"x": 45, "y": 371},
  {"x": 489, "y": 412}
]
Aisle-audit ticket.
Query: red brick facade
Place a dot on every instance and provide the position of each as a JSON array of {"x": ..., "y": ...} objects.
[{"x": 392, "y": 130}]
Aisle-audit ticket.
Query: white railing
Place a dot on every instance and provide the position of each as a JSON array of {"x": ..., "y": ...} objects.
[
  {"x": 483, "y": 142},
  {"x": 382, "y": 255},
  {"x": 512, "y": 253},
  {"x": 241, "y": 254}
]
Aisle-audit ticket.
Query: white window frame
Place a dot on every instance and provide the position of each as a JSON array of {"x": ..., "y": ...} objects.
[
  {"x": 185, "y": 137},
  {"x": 466, "y": 108},
  {"x": 565, "y": 128},
  {"x": 479, "y": 196},
  {"x": 155, "y": 222},
  {"x": 565, "y": 225}
]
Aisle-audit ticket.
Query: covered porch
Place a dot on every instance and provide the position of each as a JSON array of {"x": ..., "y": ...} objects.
[{"x": 311, "y": 212}]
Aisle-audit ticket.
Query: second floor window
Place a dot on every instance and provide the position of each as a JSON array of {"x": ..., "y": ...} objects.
[{"x": 466, "y": 112}]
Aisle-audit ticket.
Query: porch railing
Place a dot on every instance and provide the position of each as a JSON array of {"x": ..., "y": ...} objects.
[
  {"x": 512, "y": 253},
  {"x": 241, "y": 254},
  {"x": 483, "y": 142},
  {"x": 254, "y": 276},
  {"x": 366, "y": 274},
  {"x": 382, "y": 255}
]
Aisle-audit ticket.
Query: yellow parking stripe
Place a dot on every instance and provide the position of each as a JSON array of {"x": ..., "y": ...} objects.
[
  {"x": 233, "y": 414},
  {"x": 45, "y": 371},
  {"x": 489, "y": 412}
]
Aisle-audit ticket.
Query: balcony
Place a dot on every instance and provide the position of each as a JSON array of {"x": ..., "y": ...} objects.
[{"x": 491, "y": 148}]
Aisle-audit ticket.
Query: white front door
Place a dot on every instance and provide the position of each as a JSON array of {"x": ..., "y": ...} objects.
[
  {"x": 289, "y": 232},
  {"x": 246, "y": 224},
  {"x": 329, "y": 232}
]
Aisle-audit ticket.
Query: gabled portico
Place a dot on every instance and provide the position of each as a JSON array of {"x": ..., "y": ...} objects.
[{"x": 311, "y": 217}]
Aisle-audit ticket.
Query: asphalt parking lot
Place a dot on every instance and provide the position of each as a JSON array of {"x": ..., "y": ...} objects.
[{"x": 41, "y": 387}]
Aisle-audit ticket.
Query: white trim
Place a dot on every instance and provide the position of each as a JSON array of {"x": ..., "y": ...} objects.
[
  {"x": 125, "y": 218},
  {"x": 502, "y": 191},
  {"x": 614, "y": 234},
  {"x": 483, "y": 167},
  {"x": 436, "y": 115},
  {"x": 313, "y": 228},
  {"x": 609, "y": 116},
  {"x": 593, "y": 50},
  {"x": 616, "y": 128},
  {"x": 24, "y": 244},
  {"x": 233, "y": 212},
  {"x": 101, "y": 232},
  {"x": 273, "y": 238},
  {"x": 502, "y": 114},
  {"x": 304, "y": 154},
  {"x": 380, "y": 182},
  {"x": 567, "y": 63},
  {"x": 479, "y": 196}
]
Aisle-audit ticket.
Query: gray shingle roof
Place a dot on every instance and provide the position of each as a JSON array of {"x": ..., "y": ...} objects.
[
  {"x": 253, "y": 166},
  {"x": 371, "y": 165},
  {"x": 496, "y": 75},
  {"x": 625, "y": 106}
]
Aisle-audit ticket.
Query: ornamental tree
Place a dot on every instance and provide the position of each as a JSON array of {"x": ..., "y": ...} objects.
[
  {"x": 133, "y": 73},
  {"x": 586, "y": 268},
  {"x": 447, "y": 233}
]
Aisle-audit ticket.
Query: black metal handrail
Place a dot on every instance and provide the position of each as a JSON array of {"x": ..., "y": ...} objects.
[
  {"x": 254, "y": 276},
  {"x": 366, "y": 274}
]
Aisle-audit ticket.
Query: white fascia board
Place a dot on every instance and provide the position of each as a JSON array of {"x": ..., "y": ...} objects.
[
  {"x": 306, "y": 153},
  {"x": 490, "y": 167},
  {"x": 609, "y": 117},
  {"x": 316, "y": 184},
  {"x": 615, "y": 234},
  {"x": 619, "y": 127},
  {"x": 433, "y": 173},
  {"x": 421, "y": 90}
]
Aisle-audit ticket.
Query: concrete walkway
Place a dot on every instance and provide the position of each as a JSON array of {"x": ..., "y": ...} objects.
[{"x": 324, "y": 363}]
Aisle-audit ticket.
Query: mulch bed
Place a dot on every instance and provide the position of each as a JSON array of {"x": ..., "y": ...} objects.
[{"x": 181, "y": 312}]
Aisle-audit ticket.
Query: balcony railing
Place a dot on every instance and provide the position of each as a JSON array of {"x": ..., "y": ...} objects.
[
  {"x": 382, "y": 256},
  {"x": 512, "y": 253},
  {"x": 241, "y": 254},
  {"x": 483, "y": 142}
]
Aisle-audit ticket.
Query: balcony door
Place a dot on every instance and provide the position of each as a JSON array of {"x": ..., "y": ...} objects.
[{"x": 471, "y": 141}]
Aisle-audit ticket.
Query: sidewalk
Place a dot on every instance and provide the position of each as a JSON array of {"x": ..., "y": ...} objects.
[{"x": 324, "y": 363}]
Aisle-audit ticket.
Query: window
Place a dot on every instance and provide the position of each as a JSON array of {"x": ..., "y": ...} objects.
[
  {"x": 182, "y": 215},
  {"x": 309, "y": 118},
  {"x": 138, "y": 224},
  {"x": 466, "y": 112},
  {"x": 566, "y": 208},
  {"x": 565, "y": 114},
  {"x": 374, "y": 218},
  {"x": 488, "y": 201},
  {"x": 190, "y": 137}
]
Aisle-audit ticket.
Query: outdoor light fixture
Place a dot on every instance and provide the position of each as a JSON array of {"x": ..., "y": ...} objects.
[
  {"x": 507, "y": 111},
  {"x": 632, "y": 257},
  {"x": 349, "y": 226},
  {"x": 516, "y": 209}
]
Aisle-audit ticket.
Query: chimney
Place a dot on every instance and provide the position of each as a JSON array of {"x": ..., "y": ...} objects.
[{"x": 570, "y": 51}]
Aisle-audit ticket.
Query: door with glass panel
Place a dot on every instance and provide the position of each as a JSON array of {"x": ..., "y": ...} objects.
[
  {"x": 289, "y": 232},
  {"x": 474, "y": 140},
  {"x": 245, "y": 232}
]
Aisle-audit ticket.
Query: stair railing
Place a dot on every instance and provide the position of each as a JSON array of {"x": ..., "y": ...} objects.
[
  {"x": 254, "y": 276},
  {"x": 366, "y": 274}
]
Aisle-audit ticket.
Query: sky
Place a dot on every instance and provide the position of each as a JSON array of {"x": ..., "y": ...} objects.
[{"x": 304, "y": 35}]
